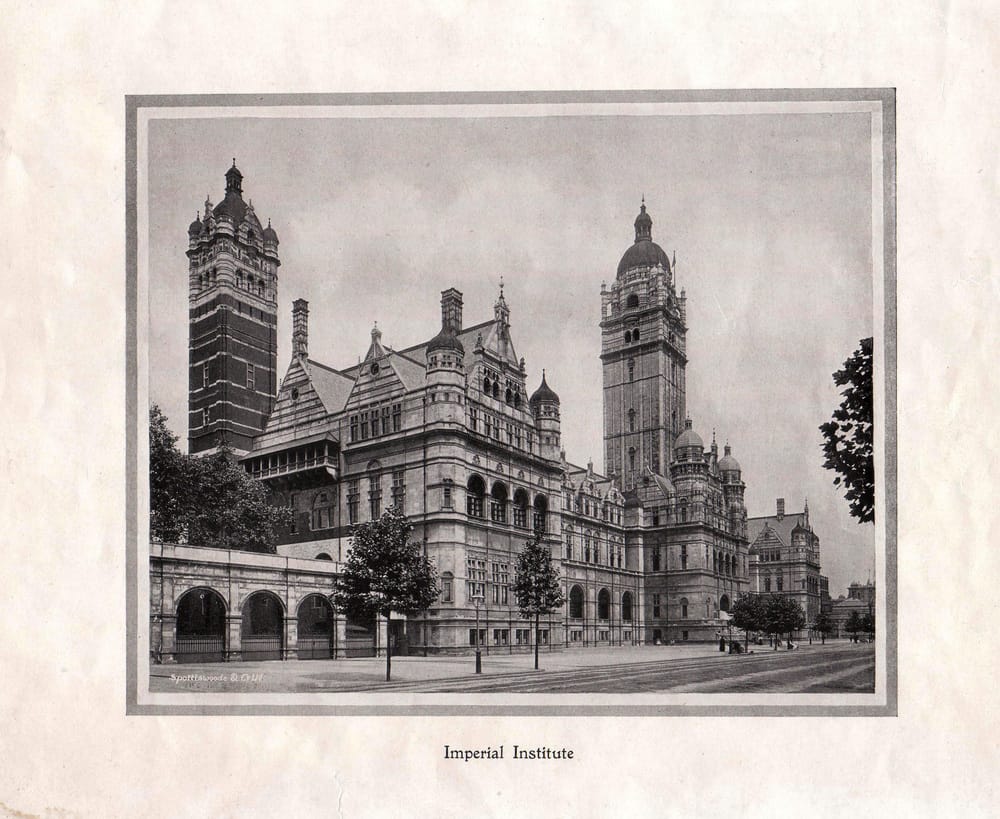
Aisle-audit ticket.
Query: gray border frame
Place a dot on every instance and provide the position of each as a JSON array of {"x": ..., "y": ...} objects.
[{"x": 133, "y": 103}]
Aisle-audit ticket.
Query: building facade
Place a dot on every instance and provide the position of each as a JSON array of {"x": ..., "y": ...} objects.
[{"x": 448, "y": 432}]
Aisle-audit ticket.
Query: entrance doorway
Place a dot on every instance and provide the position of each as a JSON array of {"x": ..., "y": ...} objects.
[
  {"x": 262, "y": 633},
  {"x": 315, "y": 628}
]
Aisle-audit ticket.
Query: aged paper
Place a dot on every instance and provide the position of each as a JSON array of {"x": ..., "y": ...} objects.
[{"x": 68, "y": 746}]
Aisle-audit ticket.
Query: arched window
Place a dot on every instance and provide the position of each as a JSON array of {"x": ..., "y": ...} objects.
[
  {"x": 486, "y": 385},
  {"x": 631, "y": 459},
  {"x": 628, "y": 337},
  {"x": 323, "y": 556},
  {"x": 496, "y": 390},
  {"x": 781, "y": 582},
  {"x": 632, "y": 302},
  {"x": 498, "y": 503},
  {"x": 447, "y": 584},
  {"x": 475, "y": 490},
  {"x": 767, "y": 582},
  {"x": 322, "y": 512},
  {"x": 631, "y": 420},
  {"x": 521, "y": 509},
  {"x": 684, "y": 608},
  {"x": 508, "y": 395},
  {"x": 538, "y": 518},
  {"x": 627, "y": 607},
  {"x": 576, "y": 603},
  {"x": 724, "y": 602},
  {"x": 635, "y": 334},
  {"x": 603, "y": 604}
]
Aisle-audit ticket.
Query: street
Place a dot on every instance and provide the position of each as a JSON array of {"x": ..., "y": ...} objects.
[{"x": 840, "y": 667}]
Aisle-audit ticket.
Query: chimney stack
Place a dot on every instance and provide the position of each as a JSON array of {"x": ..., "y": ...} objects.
[
  {"x": 451, "y": 310},
  {"x": 300, "y": 328},
  {"x": 781, "y": 508}
]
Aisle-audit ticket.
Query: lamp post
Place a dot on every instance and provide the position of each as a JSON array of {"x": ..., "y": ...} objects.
[{"x": 476, "y": 600}]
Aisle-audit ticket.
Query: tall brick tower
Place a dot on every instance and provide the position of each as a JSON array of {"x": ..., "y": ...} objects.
[
  {"x": 232, "y": 298},
  {"x": 643, "y": 331}
]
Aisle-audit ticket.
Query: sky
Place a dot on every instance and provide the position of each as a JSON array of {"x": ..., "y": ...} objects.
[{"x": 769, "y": 216}]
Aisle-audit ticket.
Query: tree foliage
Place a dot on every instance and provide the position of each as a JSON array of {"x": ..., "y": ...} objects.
[
  {"x": 782, "y": 615},
  {"x": 385, "y": 572},
  {"x": 536, "y": 583},
  {"x": 823, "y": 624},
  {"x": 847, "y": 439},
  {"x": 207, "y": 501},
  {"x": 749, "y": 614}
]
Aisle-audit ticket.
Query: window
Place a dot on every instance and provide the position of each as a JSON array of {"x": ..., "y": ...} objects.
[
  {"x": 500, "y": 583},
  {"x": 472, "y": 637},
  {"x": 543, "y": 636},
  {"x": 354, "y": 427},
  {"x": 398, "y": 491},
  {"x": 631, "y": 420},
  {"x": 322, "y": 512},
  {"x": 635, "y": 334},
  {"x": 684, "y": 608},
  {"x": 632, "y": 302},
  {"x": 631, "y": 370},
  {"x": 569, "y": 543},
  {"x": 781, "y": 582},
  {"x": 521, "y": 509},
  {"x": 476, "y": 584},
  {"x": 500, "y": 636},
  {"x": 656, "y": 559},
  {"x": 628, "y": 337},
  {"x": 385, "y": 420},
  {"x": 631, "y": 459},
  {"x": 603, "y": 604},
  {"x": 656, "y": 605},
  {"x": 627, "y": 607},
  {"x": 473, "y": 419},
  {"x": 576, "y": 603},
  {"x": 708, "y": 608},
  {"x": 522, "y": 636},
  {"x": 684, "y": 556},
  {"x": 446, "y": 495},
  {"x": 294, "y": 527},
  {"x": 767, "y": 582},
  {"x": 447, "y": 582},
  {"x": 364, "y": 425},
  {"x": 205, "y": 418},
  {"x": 475, "y": 491},
  {"x": 397, "y": 417},
  {"x": 250, "y": 377},
  {"x": 498, "y": 503},
  {"x": 204, "y": 375},
  {"x": 538, "y": 518},
  {"x": 375, "y": 495},
  {"x": 353, "y": 500}
]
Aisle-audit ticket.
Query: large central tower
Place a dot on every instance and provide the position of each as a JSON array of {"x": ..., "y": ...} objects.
[
  {"x": 232, "y": 299},
  {"x": 643, "y": 352}
]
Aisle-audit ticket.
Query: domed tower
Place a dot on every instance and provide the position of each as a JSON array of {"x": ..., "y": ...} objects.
[
  {"x": 689, "y": 470},
  {"x": 545, "y": 407},
  {"x": 446, "y": 362},
  {"x": 232, "y": 298},
  {"x": 733, "y": 490},
  {"x": 643, "y": 352}
]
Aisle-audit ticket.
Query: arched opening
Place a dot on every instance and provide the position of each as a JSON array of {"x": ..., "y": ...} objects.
[
  {"x": 521, "y": 508},
  {"x": 360, "y": 637},
  {"x": 498, "y": 503},
  {"x": 684, "y": 608},
  {"x": 508, "y": 395},
  {"x": 576, "y": 603},
  {"x": 628, "y": 337},
  {"x": 724, "y": 603},
  {"x": 475, "y": 490},
  {"x": 201, "y": 627},
  {"x": 631, "y": 420},
  {"x": 447, "y": 587},
  {"x": 487, "y": 384},
  {"x": 635, "y": 334},
  {"x": 262, "y": 635},
  {"x": 632, "y": 302},
  {"x": 627, "y": 607},
  {"x": 538, "y": 518},
  {"x": 323, "y": 556},
  {"x": 315, "y": 628},
  {"x": 603, "y": 604}
]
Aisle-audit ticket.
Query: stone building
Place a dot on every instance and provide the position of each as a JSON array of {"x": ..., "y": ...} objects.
[
  {"x": 447, "y": 431},
  {"x": 785, "y": 558},
  {"x": 860, "y": 599}
]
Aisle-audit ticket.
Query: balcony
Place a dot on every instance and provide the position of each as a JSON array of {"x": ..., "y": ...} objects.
[{"x": 311, "y": 460}]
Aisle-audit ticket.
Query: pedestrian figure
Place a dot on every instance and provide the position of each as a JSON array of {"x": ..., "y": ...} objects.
[{"x": 722, "y": 643}]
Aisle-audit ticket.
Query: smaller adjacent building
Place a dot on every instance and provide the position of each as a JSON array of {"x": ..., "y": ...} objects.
[
  {"x": 784, "y": 558},
  {"x": 860, "y": 598}
]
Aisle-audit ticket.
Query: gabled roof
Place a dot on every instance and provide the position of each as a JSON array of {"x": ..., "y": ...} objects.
[
  {"x": 332, "y": 387},
  {"x": 781, "y": 528}
]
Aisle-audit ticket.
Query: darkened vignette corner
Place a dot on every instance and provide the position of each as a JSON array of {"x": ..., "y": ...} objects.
[{"x": 134, "y": 104}]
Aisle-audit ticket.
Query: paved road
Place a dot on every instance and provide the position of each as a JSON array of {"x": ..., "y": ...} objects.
[{"x": 834, "y": 669}]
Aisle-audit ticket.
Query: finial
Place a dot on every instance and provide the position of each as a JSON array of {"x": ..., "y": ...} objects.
[
  {"x": 713, "y": 436},
  {"x": 644, "y": 199},
  {"x": 268, "y": 220},
  {"x": 234, "y": 161},
  {"x": 501, "y": 285}
]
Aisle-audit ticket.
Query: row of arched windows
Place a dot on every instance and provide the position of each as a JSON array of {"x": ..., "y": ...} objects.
[
  {"x": 475, "y": 504},
  {"x": 576, "y": 604}
]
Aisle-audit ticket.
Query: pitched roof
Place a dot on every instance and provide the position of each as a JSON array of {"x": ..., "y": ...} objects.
[
  {"x": 332, "y": 386},
  {"x": 782, "y": 528}
]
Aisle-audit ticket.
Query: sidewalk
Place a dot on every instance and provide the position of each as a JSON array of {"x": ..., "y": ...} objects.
[{"x": 314, "y": 675}]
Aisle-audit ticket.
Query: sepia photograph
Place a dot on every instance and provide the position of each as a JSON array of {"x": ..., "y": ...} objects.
[{"x": 576, "y": 402}]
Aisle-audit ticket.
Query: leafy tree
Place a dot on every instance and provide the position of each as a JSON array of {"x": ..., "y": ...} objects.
[
  {"x": 207, "y": 501},
  {"x": 782, "y": 615},
  {"x": 748, "y": 613},
  {"x": 536, "y": 583},
  {"x": 868, "y": 624},
  {"x": 854, "y": 625},
  {"x": 384, "y": 573},
  {"x": 847, "y": 445},
  {"x": 823, "y": 624}
]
